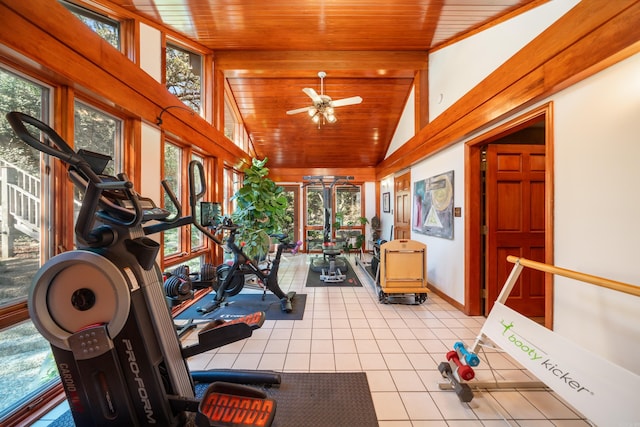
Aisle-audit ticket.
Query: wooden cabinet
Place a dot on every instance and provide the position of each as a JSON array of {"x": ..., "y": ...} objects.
[{"x": 403, "y": 269}]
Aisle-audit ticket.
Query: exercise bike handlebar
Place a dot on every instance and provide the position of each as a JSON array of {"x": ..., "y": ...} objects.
[{"x": 196, "y": 194}]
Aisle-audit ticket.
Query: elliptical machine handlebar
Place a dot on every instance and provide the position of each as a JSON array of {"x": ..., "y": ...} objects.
[
  {"x": 63, "y": 151},
  {"x": 83, "y": 175}
]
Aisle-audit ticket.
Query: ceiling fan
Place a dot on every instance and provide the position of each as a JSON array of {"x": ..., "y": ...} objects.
[{"x": 323, "y": 105}]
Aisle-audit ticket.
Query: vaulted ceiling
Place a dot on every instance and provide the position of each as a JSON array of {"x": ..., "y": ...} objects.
[{"x": 376, "y": 49}]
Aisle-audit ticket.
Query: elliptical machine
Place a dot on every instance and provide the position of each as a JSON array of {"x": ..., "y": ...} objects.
[{"x": 103, "y": 310}]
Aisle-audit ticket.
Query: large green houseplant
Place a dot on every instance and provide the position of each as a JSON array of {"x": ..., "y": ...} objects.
[{"x": 261, "y": 209}]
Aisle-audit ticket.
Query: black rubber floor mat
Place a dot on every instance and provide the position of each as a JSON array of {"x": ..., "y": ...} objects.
[
  {"x": 323, "y": 399},
  {"x": 351, "y": 280},
  {"x": 309, "y": 400}
]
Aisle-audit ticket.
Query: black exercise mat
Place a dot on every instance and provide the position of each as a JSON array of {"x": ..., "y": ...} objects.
[
  {"x": 309, "y": 400},
  {"x": 313, "y": 279},
  {"x": 247, "y": 303}
]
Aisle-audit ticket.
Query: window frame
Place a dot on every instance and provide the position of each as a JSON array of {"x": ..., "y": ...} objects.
[
  {"x": 335, "y": 234},
  {"x": 15, "y": 312},
  {"x": 186, "y": 250},
  {"x": 185, "y": 48}
]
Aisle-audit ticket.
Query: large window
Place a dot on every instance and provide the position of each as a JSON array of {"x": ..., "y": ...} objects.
[
  {"x": 183, "y": 243},
  {"x": 173, "y": 175},
  {"x": 336, "y": 210},
  {"x": 232, "y": 183},
  {"x": 233, "y": 125},
  {"x": 26, "y": 365},
  {"x": 184, "y": 76},
  {"x": 100, "y": 132}
]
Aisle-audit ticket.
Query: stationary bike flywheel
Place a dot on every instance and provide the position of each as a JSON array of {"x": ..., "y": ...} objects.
[{"x": 237, "y": 281}]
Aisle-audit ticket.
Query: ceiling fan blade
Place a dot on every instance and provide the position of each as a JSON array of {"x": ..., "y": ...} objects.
[
  {"x": 299, "y": 110},
  {"x": 313, "y": 95},
  {"x": 346, "y": 101}
]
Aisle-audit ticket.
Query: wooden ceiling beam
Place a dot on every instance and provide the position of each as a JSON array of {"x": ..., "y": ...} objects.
[{"x": 272, "y": 64}]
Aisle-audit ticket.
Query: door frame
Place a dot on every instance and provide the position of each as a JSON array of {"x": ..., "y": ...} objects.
[{"x": 473, "y": 219}]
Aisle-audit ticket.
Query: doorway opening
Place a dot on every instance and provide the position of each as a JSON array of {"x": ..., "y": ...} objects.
[{"x": 509, "y": 194}]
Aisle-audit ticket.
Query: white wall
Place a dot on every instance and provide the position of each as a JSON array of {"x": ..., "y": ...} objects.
[
  {"x": 445, "y": 257},
  {"x": 453, "y": 71},
  {"x": 151, "y": 144},
  {"x": 457, "y": 68},
  {"x": 386, "y": 218},
  {"x": 597, "y": 206},
  {"x": 369, "y": 208},
  {"x": 597, "y": 210},
  {"x": 151, "y": 51},
  {"x": 406, "y": 125}
]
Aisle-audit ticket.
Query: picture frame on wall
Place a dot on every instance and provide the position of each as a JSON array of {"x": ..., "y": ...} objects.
[{"x": 386, "y": 202}]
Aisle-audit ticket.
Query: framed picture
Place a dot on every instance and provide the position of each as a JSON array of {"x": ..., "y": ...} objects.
[
  {"x": 433, "y": 206},
  {"x": 386, "y": 202}
]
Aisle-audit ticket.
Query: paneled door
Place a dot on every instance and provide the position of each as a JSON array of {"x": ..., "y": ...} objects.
[
  {"x": 515, "y": 223},
  {"x": 402, "y": 207}
]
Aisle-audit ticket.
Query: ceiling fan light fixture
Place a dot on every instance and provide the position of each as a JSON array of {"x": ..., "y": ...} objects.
[{"x": 322, "y": 110}]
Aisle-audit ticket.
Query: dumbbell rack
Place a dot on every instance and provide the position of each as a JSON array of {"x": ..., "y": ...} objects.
[{"x": 601, "y": 390}]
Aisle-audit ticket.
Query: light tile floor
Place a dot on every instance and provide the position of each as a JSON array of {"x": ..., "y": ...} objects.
[{"x": 399, "y": 346}]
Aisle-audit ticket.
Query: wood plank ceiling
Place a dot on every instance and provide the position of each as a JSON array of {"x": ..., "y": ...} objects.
[{"x": 270, "y": 50}]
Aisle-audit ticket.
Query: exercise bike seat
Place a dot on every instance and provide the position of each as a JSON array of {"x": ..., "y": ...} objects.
[{"x": 280, "y": 236}]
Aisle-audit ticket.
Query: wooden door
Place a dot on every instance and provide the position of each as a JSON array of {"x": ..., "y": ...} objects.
[
  {"x": 402, "y": 207},
  {"x": 515, "y": 223}
]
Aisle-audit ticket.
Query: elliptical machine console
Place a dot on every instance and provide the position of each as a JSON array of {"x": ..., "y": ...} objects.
[{"x": 103, "y": 310}]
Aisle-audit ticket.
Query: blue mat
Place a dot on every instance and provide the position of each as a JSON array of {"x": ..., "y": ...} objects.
[{"x": 247, "y": 303}]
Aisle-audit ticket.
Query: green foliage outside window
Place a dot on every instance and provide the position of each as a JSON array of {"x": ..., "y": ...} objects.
[
  {"x": 106, "y": 28},
  {"x": 183, "y": 73}
]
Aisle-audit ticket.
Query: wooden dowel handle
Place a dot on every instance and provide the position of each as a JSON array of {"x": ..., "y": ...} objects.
[{"x": 588, "y": 278}]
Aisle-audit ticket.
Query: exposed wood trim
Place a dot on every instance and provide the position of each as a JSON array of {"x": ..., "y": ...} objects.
[
  {"x": 472, "y": 227},
  {"x": 40, "y": 405},
  {"x": 10, "y": 315},
  {"x": 592, "y": 36},
  {"x": 472, "y": 223},
  {"x": 549, "y": 285},
  {"x": 421, "y": 93},
  {"x": 296, "y": 174},
  {"x": 445, "y": 297}
]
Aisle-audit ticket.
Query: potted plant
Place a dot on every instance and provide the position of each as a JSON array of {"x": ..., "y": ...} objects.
[{"x": 261, "y": 209}]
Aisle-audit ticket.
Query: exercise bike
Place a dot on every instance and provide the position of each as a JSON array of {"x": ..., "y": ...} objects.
[
  {"x": 103, "y": 310},
  {"x": 231, "y": 278}
]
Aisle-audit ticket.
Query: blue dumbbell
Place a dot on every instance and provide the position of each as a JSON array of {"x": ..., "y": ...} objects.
[{"x": 471, "y": 359}]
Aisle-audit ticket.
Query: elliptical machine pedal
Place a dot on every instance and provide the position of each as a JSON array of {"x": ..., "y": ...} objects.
[{"x": 234, "y": 405}]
